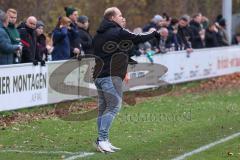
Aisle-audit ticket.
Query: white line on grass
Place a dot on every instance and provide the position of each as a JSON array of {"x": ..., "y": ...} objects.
[
  {"x": 83, "y": 154},
  {"x": 73, "y": 155},
  {"x": 37, "y": 152},
  {"x": 206, "y": 147}
]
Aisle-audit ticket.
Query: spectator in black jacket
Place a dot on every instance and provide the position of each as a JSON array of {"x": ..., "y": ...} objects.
[
  {"x": 72, "y": 14},
  {"x": 29, "y": 41},
  {"x": 223, "y": 37},
  {"x": 211, "y": 36},
  {"x": 185, "y": 33},
  {"x": 84, "y": 38},
  {"x": 41, "y": 42},
  {"x": 173, "y": 34},
  {"x": 197, "y": 31},
  {"x": 112, "y": 46}
]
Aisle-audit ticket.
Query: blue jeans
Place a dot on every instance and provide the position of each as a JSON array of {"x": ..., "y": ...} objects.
[{"x": 109, "y": 103}]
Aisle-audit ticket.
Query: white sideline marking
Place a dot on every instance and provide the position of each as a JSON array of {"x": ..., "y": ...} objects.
[
  {"x": 37, "y": 152},
  {"x": 84, "y": 154},
  {"x": 73, "y": 155},
  {"x": 206, "y": 147}
]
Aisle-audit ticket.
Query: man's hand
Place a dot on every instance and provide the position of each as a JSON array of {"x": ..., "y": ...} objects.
[
  {"x": 35, "y": 62},
  {"x": 43, "y": 63},
  {"x": 20, "y": 48},
  {"x": 19, "y": 51},
  {"x": 175, "y": 31},
  {"x": 76, "y": 51}
]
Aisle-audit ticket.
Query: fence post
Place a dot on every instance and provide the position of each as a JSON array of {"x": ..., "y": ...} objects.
[{"x": 227, "y": 14}]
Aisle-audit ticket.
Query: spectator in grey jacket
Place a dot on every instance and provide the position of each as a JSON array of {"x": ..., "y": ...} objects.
[{"x": 7, "y": 49}]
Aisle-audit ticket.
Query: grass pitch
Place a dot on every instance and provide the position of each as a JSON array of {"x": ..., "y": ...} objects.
[{"x": 160, "y": 128}]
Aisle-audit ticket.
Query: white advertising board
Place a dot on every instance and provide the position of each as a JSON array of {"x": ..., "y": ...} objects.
[
  {"x": 25, "y": 85},
  {"x": 201, "y": 64}
]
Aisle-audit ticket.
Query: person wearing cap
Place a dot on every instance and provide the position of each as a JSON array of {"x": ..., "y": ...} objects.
[
  {"x": 13, "y": 32},
  {"x": 7, "y": 49},
  {"x": 84, "y": 39},
  {"x": 72, "y": 14},
  {"x": 41, "y": 42},
  {"x": 156, "y": 23}
]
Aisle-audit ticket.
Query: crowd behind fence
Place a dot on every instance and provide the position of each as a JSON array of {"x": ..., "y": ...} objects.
[{"x": 27, "y": 41}]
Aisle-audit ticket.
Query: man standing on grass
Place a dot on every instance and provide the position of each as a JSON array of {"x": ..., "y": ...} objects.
[{"x": 112, "y": 45}]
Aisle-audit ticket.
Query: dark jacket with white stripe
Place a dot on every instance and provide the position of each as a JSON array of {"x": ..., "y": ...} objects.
[{"x": 112, "y": 45}]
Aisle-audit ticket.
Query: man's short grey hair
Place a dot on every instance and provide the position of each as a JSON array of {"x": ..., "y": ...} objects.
[
  {"x": 110, "y": 12},
  {"x": 163, "y": 29},
  {"x": 185, "y": 17},
  {"x": 3, "y": 16},
  {"x": 32, "y": 18},
  {"x": 157, "y": 18}
]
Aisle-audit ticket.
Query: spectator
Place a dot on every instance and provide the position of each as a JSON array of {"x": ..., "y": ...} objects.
[
  {"x": 154, "y": 43},
  {"x": 166, "y": 42},
  {"x": 173, "y": 34},
  {"x": 29, "y": 41},
  {"x": 84, "y": 38},
  {"x": 61, "y": 43},
  {"x": 166, "y": 20},
  {"x": 7, "y": 49},
  {"x": 155, "y": 23},
  {"x": 13, "y": 32},
  {"x": 41, "y": 42},
  {"x": 204, "y": 22},
  {"x": 173, "y": 25},
  {"x": 236, "y": 39},
  {"x": 72, "y": 14},
  {"x": 185, "y": 33},
  {"x": 221, "y": 25},
  {"x": 211, "y": 36},
  {"x": 197, "y": 32},
  {"x": 49, "y": 45},
  {"x": 138, "y": 50}
]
